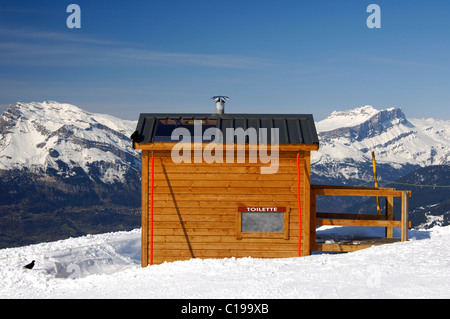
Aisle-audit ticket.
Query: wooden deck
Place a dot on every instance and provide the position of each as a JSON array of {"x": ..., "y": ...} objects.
[{"x": 333, "y": 219}]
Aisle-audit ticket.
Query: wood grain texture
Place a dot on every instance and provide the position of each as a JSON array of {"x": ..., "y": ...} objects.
[{"x": 196, "y": 208}]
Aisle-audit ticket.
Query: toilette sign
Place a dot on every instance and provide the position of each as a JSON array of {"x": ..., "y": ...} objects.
[{"x": 263, "y": 209}]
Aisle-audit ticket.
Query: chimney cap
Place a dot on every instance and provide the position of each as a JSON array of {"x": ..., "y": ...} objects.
[
  {"x": 220, "y": 103},
  {"x": 220, "y": 97}
]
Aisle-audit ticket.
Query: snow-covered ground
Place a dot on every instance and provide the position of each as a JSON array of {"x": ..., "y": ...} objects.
[{"x": 108, "y": 266}]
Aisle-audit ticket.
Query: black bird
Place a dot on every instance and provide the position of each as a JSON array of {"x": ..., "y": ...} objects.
[{"x": 29, "y": 266}]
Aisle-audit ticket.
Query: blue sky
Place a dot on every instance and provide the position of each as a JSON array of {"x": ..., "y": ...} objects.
[{"x": 286, "y": 56}]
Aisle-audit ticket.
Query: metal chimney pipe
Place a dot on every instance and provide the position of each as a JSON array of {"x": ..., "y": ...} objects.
[{"x": 220, "y": 103}]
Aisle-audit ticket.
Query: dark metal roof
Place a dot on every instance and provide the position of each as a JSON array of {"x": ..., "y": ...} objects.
[{"x": 292, "y": 128}]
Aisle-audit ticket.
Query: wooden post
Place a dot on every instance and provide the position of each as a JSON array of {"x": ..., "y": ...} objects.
[
  {"x": 389, "y": 215},
  {"x": 376, "y": 181},
  {"x": 404, "y": 228},
  {"x": 144, "y": 208}
]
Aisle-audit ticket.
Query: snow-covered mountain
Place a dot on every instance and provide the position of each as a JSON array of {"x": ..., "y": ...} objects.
[
  {"x": 347, "y": 139},
  {"x": 65, "y": 172},
  {"x": 64, "y": 140}
]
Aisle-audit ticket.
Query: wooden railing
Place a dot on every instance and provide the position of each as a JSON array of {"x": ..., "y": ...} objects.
[{"x": 364, "y": 220}]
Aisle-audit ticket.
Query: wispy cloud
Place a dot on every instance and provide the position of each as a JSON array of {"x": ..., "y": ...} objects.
[
  {"x": 52, "y": 48},
  {"x": 40, "y": 35},
  {"x": 406, "y": 62},
  {"x": 213, "y": 60}
]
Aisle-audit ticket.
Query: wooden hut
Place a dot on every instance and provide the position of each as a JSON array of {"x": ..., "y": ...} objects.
[
  {"x": 233, "y": 191},
  {"x": 237, "y": 185}
]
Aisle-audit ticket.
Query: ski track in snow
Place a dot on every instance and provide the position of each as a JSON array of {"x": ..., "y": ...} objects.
[{"x": 108, "y": 266}]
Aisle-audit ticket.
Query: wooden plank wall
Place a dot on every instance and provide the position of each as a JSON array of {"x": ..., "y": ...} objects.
[{"x": 195, "y": 207}]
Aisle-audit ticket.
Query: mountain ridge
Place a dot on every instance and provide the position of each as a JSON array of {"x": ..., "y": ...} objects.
[
  {"x": 65, "y": 171},
  {"x": 398, "y": 143},
  {"x": 42, "y": 136},
  {"x": 403, "y": 147},
  {"x": 63, "y": 168}
]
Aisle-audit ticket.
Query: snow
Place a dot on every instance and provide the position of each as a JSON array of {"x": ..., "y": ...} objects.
[
  {"x": 421, "y": 142},
  {"x": 349, "y": 118},
  {"x": 38, "y": 140},
  {"x": 108, "y": 266},
  {"x": 40, "y": 129},
  {"x": 438, "y": 130}
]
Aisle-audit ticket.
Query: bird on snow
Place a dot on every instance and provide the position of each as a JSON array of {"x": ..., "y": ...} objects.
[{"x": 29, "y": 266}]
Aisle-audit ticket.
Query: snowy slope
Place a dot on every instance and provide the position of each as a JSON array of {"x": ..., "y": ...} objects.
[
  {"x": 51, "y": 136},
  {"x": 107, "y": 266}
]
